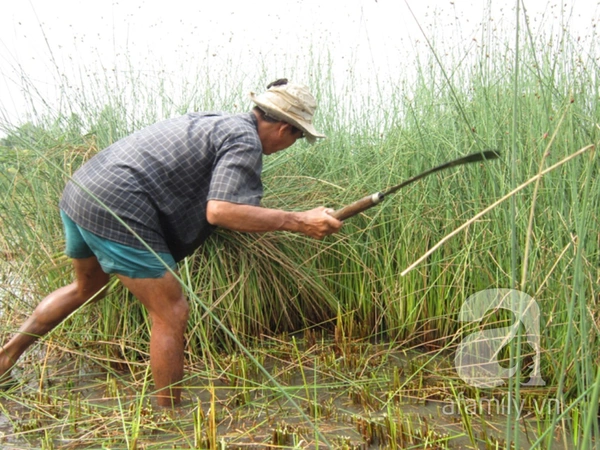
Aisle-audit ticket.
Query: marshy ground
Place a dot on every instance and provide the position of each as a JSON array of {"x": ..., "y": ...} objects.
[{"x": 323, "y": 391}]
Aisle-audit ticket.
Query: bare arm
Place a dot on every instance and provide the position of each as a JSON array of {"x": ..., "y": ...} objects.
[{"x": 316, "y": 223}]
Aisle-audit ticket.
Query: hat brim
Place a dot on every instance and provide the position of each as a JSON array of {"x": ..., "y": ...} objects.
[{"x": 272, "y": 110}]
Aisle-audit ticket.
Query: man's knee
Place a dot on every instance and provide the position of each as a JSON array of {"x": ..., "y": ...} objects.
[
  {"x": 181, "y": 310},
  {"x": 162, "y": 297}
]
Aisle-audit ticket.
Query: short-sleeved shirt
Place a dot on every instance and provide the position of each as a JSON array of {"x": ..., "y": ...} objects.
[{"x": 159, "y": 180}]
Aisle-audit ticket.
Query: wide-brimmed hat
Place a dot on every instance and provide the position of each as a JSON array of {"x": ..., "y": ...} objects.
[{"x": 292, "y": 103}]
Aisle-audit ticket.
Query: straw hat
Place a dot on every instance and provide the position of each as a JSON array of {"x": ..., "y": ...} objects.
[{"x": 291, "y": 103}]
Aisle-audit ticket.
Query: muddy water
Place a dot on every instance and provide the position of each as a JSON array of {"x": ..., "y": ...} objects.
[
  {"x": 14, "y": 292},
  {"x": 358, "y": 403}
]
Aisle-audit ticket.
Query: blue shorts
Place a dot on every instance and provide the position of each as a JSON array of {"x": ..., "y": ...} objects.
[{"x": 112, "y": 256}]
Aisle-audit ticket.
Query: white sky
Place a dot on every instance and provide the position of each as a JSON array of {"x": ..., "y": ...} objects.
[{"x": 48, "y": 44}]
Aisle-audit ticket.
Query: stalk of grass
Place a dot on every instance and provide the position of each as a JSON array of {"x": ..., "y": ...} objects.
[
  {"x": 578, "y": 298},
  {"x": 495, "y": 204},
  {"x": 533, "y": 204}
]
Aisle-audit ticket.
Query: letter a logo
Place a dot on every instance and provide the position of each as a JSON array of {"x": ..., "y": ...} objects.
[{"x": 476, "y": 359}]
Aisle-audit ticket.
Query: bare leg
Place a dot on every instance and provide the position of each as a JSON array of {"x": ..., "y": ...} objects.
[
  {"x": 53, "y": 309},
  {"x": 169, "y": 311}
]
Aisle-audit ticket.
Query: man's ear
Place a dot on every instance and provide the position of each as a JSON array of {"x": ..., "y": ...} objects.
[
  {"x": 282, "y": 128},
  {"x": 287, "y": 128}
]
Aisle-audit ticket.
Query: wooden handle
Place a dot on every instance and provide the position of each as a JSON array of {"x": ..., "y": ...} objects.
[{"x": 358, "y": 206}]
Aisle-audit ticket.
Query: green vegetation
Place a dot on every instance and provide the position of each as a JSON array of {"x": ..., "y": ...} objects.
[{"x": 297, "y": 343}]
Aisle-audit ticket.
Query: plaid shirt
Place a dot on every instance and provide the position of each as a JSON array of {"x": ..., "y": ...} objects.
[{"x": 159, "y": 180}]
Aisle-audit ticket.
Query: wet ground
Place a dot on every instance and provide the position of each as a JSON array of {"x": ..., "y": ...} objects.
[{"x": 366, "y": 396}]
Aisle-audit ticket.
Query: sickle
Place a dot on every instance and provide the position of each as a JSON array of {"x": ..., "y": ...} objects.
[{"x": 371, "y": 200}]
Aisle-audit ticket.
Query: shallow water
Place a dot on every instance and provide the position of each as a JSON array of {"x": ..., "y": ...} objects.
[{"x": 85, "y": 404}]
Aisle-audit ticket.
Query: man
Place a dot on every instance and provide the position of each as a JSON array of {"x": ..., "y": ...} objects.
[{"x": 160, "y": 192}]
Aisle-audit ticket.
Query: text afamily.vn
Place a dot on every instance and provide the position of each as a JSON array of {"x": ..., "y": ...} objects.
[{"x": 501, "y": 406}]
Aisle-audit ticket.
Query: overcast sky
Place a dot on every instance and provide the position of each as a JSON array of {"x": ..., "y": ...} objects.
[{"x": 47, "y": 42}]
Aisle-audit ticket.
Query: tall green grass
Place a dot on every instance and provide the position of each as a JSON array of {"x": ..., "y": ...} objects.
[{"x": 349, "y": 285}]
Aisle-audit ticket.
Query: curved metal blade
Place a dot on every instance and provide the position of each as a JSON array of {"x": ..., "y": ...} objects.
[{"x": 474, "y": 157}]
